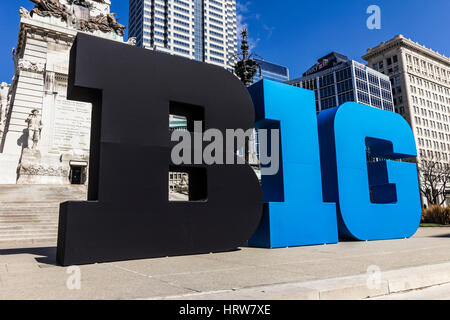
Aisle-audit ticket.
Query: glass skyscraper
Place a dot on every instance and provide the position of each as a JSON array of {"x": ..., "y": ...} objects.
[
  {"x": 272, "y": 71},
  {"x": 335, "y": 79},
  {"x": 203, "y": 30}
]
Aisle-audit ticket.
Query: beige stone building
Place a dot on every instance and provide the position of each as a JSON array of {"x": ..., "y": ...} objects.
[
  {"x": 59, "y": 150},
  {"x": 420, "y": 79}
]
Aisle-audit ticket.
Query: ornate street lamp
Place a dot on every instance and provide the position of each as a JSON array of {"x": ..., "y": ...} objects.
[{"x": 246, "y": 68}]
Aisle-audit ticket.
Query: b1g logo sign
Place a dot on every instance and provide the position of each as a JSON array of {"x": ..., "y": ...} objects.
[{"x": 324, "y": 187}]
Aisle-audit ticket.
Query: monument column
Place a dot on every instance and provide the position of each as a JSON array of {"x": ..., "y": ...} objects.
[{"x": 41, "y": 62}]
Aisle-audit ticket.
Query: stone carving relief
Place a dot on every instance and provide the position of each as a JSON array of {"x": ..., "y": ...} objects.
[
  {"x": 45, "y": 8},
  {"x": 27, "y": 65},
  {"x": 4, "y": 103},
  {"x": 30, "y": 169},
  {"x": 105, "y": 23},
  {"x": 87, "y": 22}
]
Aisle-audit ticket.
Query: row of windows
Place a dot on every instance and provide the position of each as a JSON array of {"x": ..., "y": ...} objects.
[
  {"x": 215, "y": 8},
  {"x": 181, "y": 3},
  {"x": 216, "y": 15},
  {"x": 180, "y": 50},
  {"x": 346, "y": 97},
  {"x": 373, "y": 78},
  {"x": 436, "y": 144},
  {"x": 216, "y": 40},
  {"x": 217, "y": 34},
  {"x": 431, "y": 124},
  {"x": 345, "y": 86},
  {"x": 363, "y": 97},
  {"x": 429, "y": 95},
  {"x": 181, "y": 43},
  {"x": 427, "y": 68},
  {"x": 380, "y": 65},
  {"x": 385, "y": 84},
  {"x": 360, "y": 73},
  {"x": 362, "y": 85},
  {"x": 215, "y": 21},
  {"x": 374, "y": 90},
  {"x": 212, "y": 45},
  {"x": 429, "y": 85},
  {"x": 326, "y": 80},
  {"x": 327, "y": 91},
  {"x": 181, "y": 22},
  {"x": 343, "y": 74},
  {"x": 376, "y": 102},
  {"x": 182, "y": 16},
  {"x": 427, "y": 133},
  {"x": 181, "y": 29},
  {"x": 328, "y": 103},
  {"x": 217, "y": 60},
  {"x": 431, "y": 114},
  {"x": 180, "y": 36},
  {"x": 217, "y": 3},
  {"x": 388, "y": 105},
  {"x": 220, "y": 54},
  {"x": 433, "y": 155},
  {"x": 386, "y": 95},
  {"x": 182, "y": 9}
]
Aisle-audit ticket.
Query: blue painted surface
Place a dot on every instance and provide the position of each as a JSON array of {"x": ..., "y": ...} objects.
[
  {"x": 394, "y": 209},
  {"x": 294, "y": 212}
]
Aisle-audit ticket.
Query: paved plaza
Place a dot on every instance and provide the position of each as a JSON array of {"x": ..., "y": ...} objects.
[{"x": 347, "y": 270}]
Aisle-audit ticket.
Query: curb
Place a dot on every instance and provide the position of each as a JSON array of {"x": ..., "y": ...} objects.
[{"x": 344, "y": 288}]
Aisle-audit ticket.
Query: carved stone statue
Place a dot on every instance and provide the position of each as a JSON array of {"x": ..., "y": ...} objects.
[
  {"x": 90, "y": 22},
  {"x": 34, "y": 129},
  {"x": 132, "y": 41},
  {"x": 24, "y": 13},
  {"x": 45, "y": 8},
  {"x": 4, "y": 97},
  {"x": 117, "y": 27},
  {"x": 100, "y": 22}
]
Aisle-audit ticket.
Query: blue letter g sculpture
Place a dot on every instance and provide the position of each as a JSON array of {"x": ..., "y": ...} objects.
[{"x": 377, "y": 198}]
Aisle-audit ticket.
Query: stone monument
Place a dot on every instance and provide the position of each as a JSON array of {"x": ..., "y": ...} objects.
[
  {"x": 4, "y": 104},
  {"x": 45, "y": 138},
  {"x": 34, "y": 122}
]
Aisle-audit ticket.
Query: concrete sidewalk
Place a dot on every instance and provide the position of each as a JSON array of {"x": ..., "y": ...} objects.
[{"x": 347, "y": 270}]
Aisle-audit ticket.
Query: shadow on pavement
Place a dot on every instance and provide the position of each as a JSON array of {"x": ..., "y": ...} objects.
[
  {"x": 47, "y": 254},
  {"x": 441, "y": 235}
]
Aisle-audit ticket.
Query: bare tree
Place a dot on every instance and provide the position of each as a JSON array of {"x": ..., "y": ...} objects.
[{"x": 434, "y": 178}]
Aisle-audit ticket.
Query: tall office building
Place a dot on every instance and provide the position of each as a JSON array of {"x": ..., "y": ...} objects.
[
  {"x": 272, "y": 71},
  {"x": 203, "y": 30},
  {"x": 336, "y": 80},
  {"x": 421, "y": 84}
]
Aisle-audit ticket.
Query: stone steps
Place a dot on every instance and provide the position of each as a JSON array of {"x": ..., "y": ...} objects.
[
  {"x": 30, "y": 205},
  {"x": 33, "y": 227},
  {"x": 29, "y": 213},
  {"x": 24, "y": 233},
  {"x": 28, "y": 240},
  {"x": 27, "y": 194}
]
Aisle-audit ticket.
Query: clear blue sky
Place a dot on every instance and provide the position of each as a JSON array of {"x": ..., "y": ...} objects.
[{"x": 297, "y": 32}]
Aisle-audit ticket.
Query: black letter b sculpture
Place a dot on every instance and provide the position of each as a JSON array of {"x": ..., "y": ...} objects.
[{"x": 128, "y": 214}]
